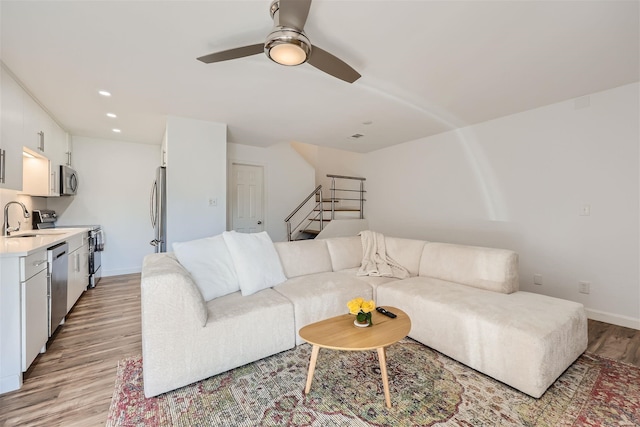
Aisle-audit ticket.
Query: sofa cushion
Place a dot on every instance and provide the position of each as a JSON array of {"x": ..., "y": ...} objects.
[
  {"x": 406, "y": 252},
  {"x": 523, "y": 339},
  {"x": 255, "y": 259},
  {"x": 320, "y": 296},
  {"x": 304, "y": 257},
  {"x": 485, "y": 268},
  {"x": 209, "y": 262},
  {"x": 345, "y": 252},
  {"x": 373, "y": 281}
]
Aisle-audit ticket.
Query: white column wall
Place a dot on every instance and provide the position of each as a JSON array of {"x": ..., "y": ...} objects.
[{"x": 196, "y": 172}]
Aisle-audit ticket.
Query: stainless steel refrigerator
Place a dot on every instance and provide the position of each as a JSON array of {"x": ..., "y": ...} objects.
[{"x": 158, "y": 210}]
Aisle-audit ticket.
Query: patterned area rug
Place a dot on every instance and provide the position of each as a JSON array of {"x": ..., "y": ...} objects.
[{"x": 427, "y": 389}]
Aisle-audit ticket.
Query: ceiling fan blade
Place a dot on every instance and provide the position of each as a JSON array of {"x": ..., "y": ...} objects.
[
  {"x": 324, "y": 61},
  {"x": 238, "y": 52},
  {"x": 293, "y": 13}
]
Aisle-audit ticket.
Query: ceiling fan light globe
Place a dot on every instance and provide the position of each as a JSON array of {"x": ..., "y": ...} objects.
[
  {"x": 287, "y": 46},
  {"x": 287, "y": 54}
]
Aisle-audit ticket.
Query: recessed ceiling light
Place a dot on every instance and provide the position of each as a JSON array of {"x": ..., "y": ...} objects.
[
  {"x": 116, "y": 130},
  {"x": 113, "y": 116},
  {"x": 104, "y": 93},
  {"x": 368, "y": 122},
  {"x": 356, "y": 136}
]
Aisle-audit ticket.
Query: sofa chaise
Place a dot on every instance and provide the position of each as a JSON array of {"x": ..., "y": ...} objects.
[{"x": 463, "y": 301}]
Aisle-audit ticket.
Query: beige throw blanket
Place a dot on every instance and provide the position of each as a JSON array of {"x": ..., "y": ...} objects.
[{"x": 375, "y": 261}]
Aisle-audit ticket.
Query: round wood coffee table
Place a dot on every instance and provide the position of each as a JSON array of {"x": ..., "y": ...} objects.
[{"x": 339, "y": 333}]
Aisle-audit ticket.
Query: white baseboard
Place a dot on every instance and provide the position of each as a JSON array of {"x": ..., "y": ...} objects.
[
  {"x": 10, "y": 383},
  {"x": 614, "y": 319},
  {"x": 121, "y": 271}
]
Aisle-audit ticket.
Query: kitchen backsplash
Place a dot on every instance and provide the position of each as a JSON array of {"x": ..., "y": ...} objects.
[{"x": 15, "y": 213}]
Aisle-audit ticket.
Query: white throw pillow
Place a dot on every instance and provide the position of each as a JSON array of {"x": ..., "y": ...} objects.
[
  {"x": 255, "y": 259},
  {"x": 210, "y": 264}
]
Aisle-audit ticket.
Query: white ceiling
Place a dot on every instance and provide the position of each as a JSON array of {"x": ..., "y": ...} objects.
[{"x": 427, "y": 66}]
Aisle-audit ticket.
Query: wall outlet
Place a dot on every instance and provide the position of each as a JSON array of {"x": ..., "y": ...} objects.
[
  {"x": 584, "y": 287},
  {"x": 585, "y": 210},
  {"x": 213, "y": 201},
  {"x": 537, "y": 279}
]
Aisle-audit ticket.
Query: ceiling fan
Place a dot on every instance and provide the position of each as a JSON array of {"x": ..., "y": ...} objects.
[{"x": 287, "y": 44}]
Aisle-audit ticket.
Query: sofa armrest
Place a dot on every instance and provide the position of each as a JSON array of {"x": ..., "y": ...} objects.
[{"x": 169, "y": 295}]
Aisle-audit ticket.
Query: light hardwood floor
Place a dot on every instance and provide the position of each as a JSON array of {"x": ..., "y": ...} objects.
[{"x": 72, "y": 383}]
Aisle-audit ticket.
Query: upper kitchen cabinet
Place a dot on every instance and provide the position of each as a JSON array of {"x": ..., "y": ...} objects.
[
  {"x": 33, "y": 145},
  {"x": 42, "y": 134},
  {"x": 11, "y": 106},
  {"x": 163, "y": 151}
]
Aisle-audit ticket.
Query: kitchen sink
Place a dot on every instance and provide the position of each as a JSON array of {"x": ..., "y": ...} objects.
[{"x": 36, "y": 234}]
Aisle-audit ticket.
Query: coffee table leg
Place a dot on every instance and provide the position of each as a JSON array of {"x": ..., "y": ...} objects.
[
  {"x": 382, "y": 357},
  {"x": 312, "y": 367}
]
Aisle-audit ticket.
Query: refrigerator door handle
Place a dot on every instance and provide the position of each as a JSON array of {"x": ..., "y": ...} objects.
[{"x": 152, "y": 203}]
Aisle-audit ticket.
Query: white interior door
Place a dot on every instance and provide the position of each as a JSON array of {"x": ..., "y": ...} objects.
[{"x": 247, "y": 208}]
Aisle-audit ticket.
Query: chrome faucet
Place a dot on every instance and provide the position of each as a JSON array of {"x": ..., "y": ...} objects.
[{"x": 6, "y": 228}]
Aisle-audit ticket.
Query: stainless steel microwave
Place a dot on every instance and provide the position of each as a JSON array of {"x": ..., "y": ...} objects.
[{"x": 68, "y": 181}]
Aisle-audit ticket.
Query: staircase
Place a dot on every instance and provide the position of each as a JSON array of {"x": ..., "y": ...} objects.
[{"x": 346, "y": 201}]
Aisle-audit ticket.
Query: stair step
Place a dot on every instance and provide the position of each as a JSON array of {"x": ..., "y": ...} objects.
[
  {"x": 307, "y": 234},
  {"x": 339, "y": 209}
]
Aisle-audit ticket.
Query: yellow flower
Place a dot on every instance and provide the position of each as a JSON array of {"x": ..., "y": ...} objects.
[
  {"x": 368, "y": 306},
  {"x": 354, "y": 305},
  {"x": 358, "y": 305}
]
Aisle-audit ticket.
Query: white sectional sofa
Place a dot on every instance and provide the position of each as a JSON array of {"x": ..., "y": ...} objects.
[{"x": 463, "y": 301}]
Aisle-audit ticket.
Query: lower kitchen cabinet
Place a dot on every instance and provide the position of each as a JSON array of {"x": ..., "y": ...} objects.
[
  {"x": 34, "y": 308},
  {"x": 78, "y": 270}
]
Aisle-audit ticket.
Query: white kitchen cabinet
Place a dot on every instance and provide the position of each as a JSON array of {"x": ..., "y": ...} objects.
[
  {"x": 40, "y": 176},
  {"x": 163, "y": 151},
  {"x": 34, "y": 307},
  {"x": 36, "y": 126},
  {"x": 24, "y": 123},
  {"x": 11, "y": 121},
  {"x": 78, "y": 268},
  {"x": 68, "y": 159},
  {"x": 44, "y": 139}
]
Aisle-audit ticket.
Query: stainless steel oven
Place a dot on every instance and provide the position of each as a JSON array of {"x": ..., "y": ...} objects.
[{"x": 96, "y": 246}]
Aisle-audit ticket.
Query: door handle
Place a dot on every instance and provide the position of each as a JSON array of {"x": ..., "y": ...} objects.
[{"x": 259, "y": 222}]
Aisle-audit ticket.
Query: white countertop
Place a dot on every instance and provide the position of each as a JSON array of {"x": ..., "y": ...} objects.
[{"x": 43, "y": 239}]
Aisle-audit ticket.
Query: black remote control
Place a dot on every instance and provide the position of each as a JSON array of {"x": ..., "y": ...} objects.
[{"x": 386, "y": 313}]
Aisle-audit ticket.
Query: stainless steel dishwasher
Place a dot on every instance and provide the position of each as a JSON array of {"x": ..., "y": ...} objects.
[{"x": 57, "y": 257}]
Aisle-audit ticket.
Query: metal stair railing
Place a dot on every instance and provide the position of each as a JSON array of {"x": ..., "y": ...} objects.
[
  {"x": 309, "y": 217},
  {"x": 316, "y": 212},
  {"x": 335, "y": 199}
]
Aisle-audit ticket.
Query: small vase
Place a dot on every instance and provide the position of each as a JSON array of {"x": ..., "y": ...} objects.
[
  {"x": 361, "y": 325},
  {"x": 363, "y": 320}
]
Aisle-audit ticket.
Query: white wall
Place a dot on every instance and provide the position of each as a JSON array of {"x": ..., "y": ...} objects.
[
  {"x": 520, "y": 182},
  {"x": 115, "y": 181},
  {"x": 288, "y": 180},
  {"x": 196, "y": 172}
]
